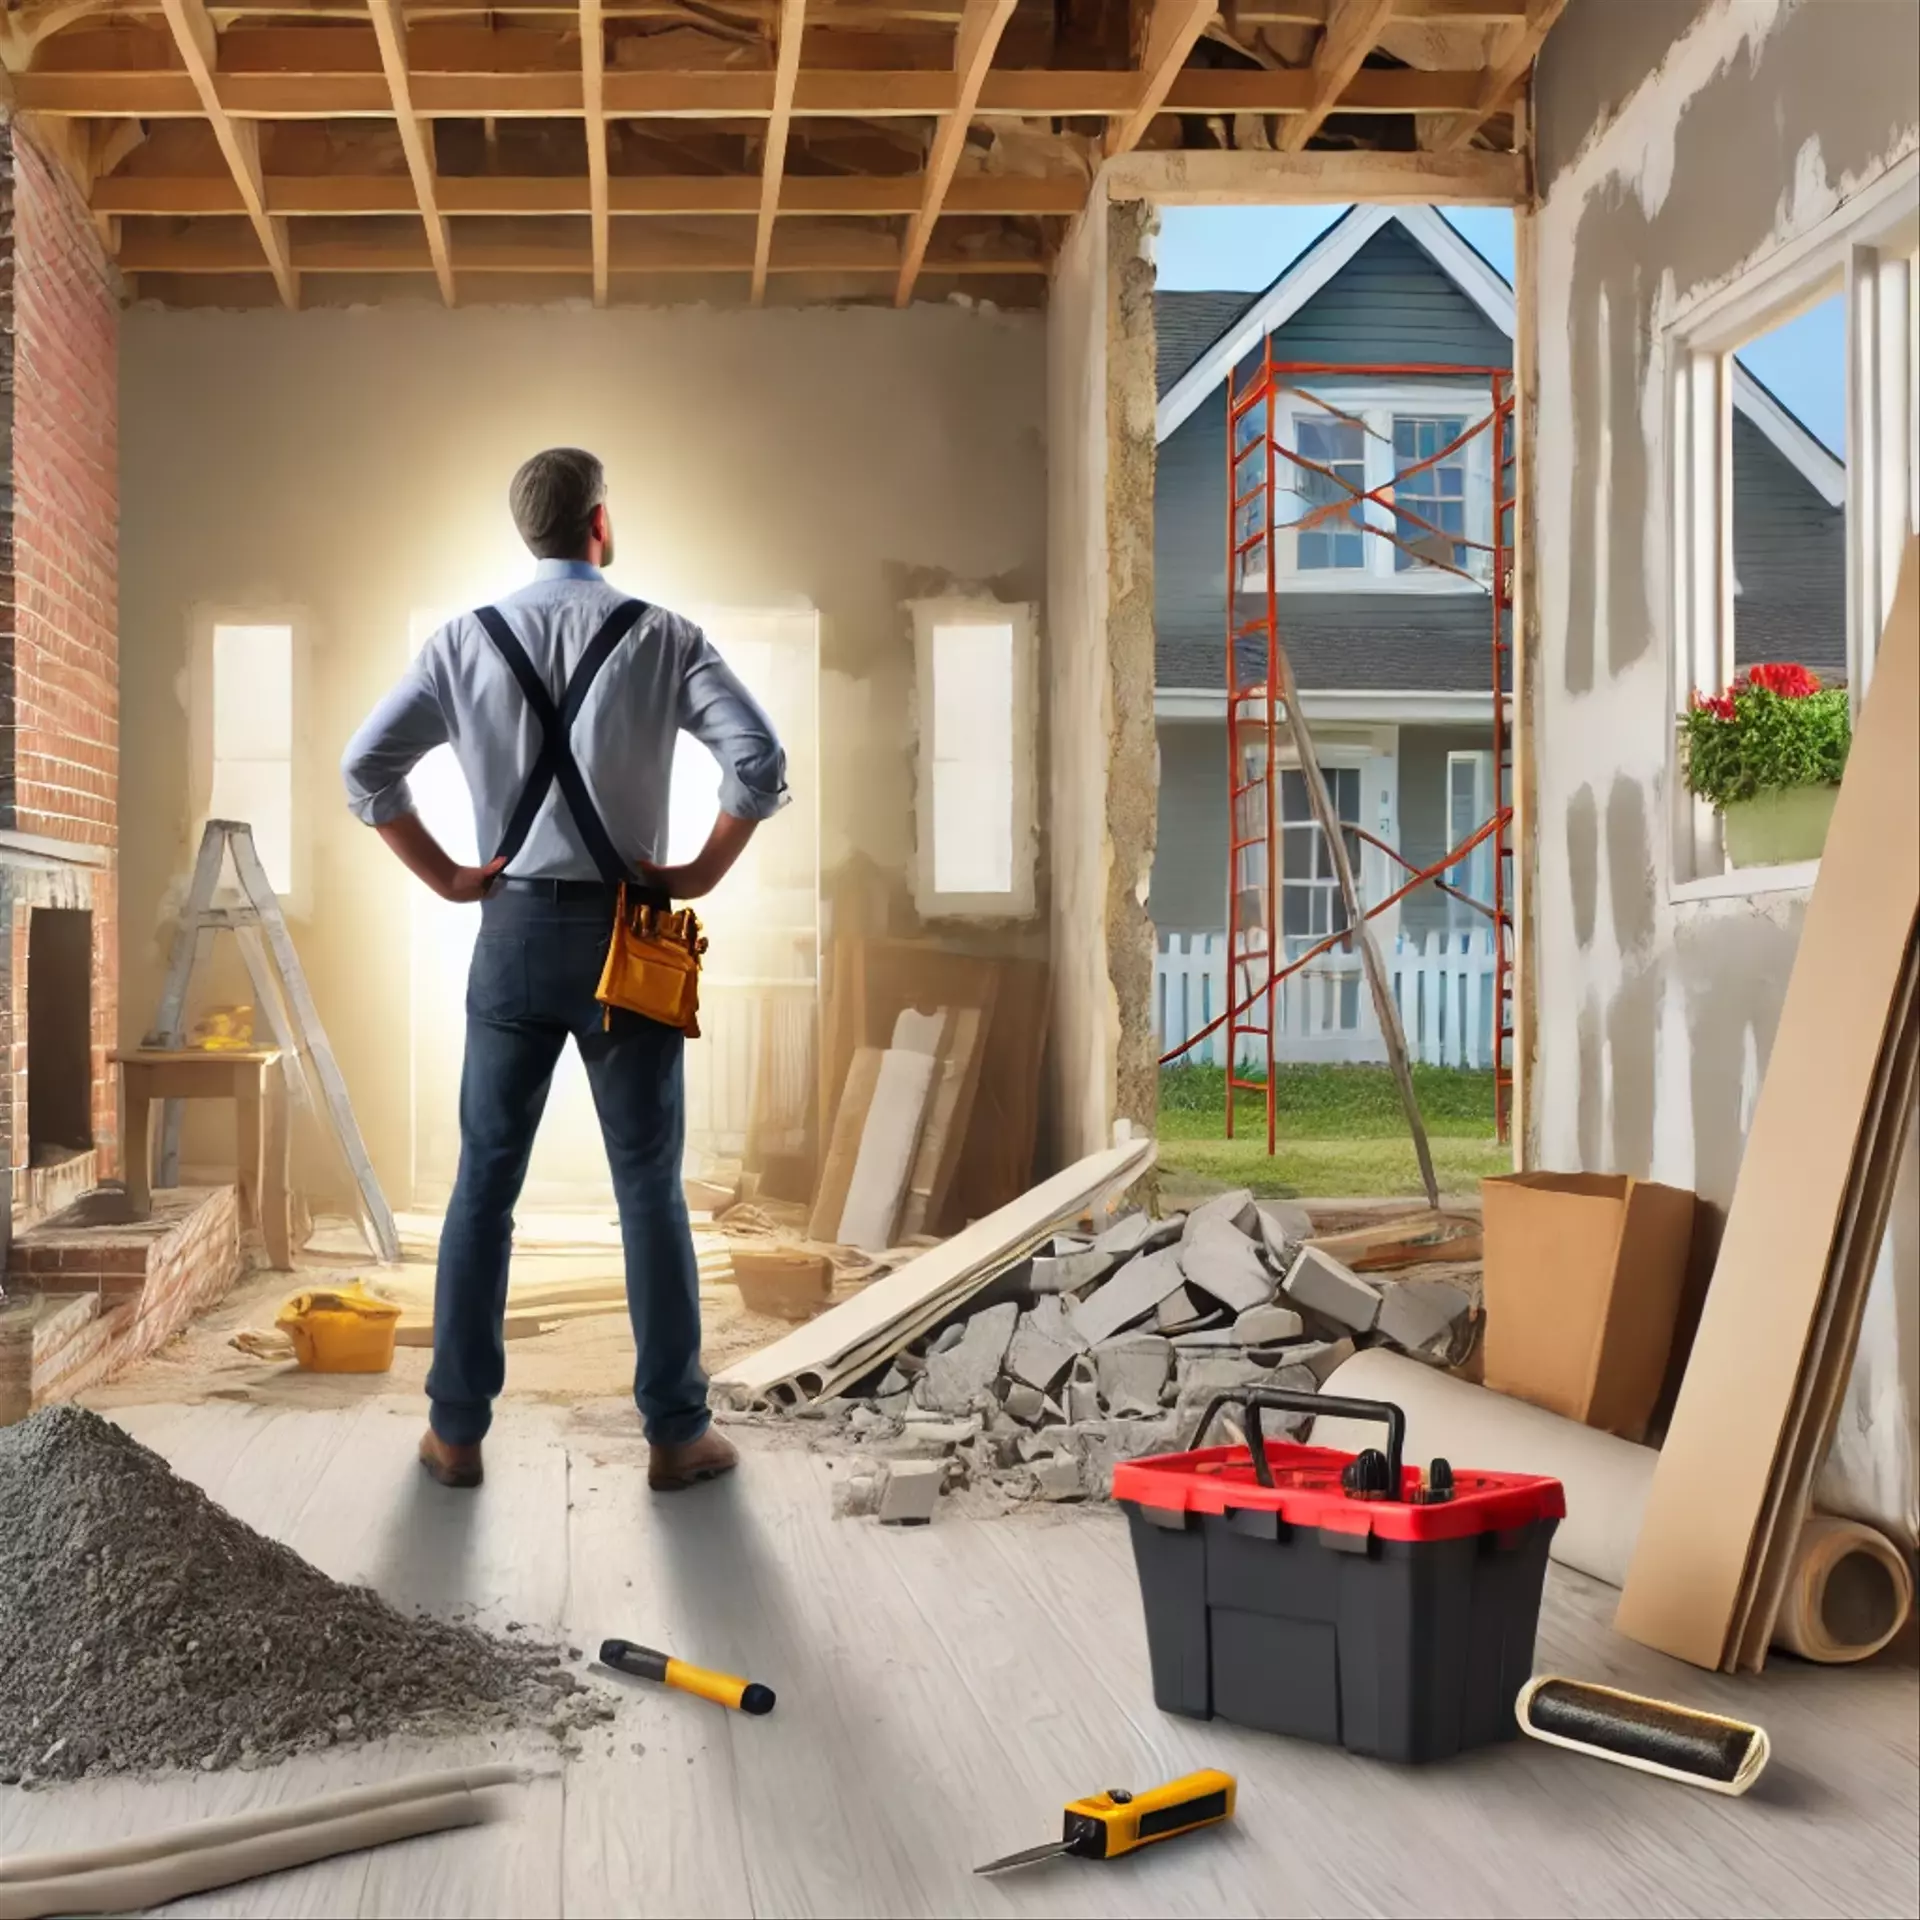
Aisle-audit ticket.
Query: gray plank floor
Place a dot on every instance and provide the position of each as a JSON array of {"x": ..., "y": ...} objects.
[{"x": 942, "y": 1692}]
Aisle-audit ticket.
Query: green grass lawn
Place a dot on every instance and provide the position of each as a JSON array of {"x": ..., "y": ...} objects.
[{"x": 1341, "y": 1132}]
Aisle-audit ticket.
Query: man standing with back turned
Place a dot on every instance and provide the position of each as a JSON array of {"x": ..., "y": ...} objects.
[{"x": 561, "y": 705}]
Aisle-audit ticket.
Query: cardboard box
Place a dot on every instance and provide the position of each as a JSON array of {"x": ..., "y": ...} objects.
[{"x": 1584, "y": 1275}]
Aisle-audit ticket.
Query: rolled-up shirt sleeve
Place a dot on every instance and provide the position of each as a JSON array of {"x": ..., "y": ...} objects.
[
  {"x": 395, "y": 737},
  {"x": 726, "y": 719}
]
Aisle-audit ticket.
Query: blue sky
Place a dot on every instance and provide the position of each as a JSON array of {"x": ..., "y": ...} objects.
[{"x": 1803, "y": 362}]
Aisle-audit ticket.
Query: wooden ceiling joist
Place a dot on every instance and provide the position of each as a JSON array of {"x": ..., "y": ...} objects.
[
  {"x": 416, "y": 138},
  {"x": 1005, "y": 93},
  {"x": 1172, "y": 28},
  {"x": 981, "y": 26},
  {"x": 240, "y": 145},
  {"x": 851, "y": 195},
  {"x": 773, "y": 162},
  {"x": 633, "y": 251},
  {"x": 593, "y": 101},
  {"x": 1496, "y": 84},
  {"x": 1345, "y": 41}
]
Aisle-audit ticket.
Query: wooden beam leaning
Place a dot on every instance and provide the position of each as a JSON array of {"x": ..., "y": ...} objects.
[
  {"x": 981, "y": 26},
  {"x": 773, "y": 162},
  {"x": 1172, "y": 28},
  {"x": 1351, "y": 29},
  {"x": 199, "y": 48},
  {"x": 1521, "y": 42},
  {"x": 593, "y": 101},
  {"x": 415, "y": 138}
]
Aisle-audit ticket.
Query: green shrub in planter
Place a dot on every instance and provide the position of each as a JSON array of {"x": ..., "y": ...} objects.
[{"x": 1768, "y": 755}]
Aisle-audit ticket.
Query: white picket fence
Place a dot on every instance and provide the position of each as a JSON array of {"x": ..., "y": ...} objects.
[{"x": 1442, "y": 985}]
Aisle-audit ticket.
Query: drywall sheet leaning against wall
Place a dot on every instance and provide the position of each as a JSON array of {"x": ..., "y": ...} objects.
[{"x": 1691, "y": 1575}]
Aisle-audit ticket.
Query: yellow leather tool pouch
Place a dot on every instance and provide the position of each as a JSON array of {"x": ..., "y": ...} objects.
[{"x": 653, "y": 965}]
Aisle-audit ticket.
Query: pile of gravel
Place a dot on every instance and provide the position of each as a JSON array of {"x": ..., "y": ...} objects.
[{"x": 142, "y": 1627}]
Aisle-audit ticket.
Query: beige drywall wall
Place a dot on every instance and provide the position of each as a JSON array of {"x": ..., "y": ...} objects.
[
  {"x": 342, "y": 469},
  {"x": 1100, "y": 674},
  {"x": 1682, "y": 142}
]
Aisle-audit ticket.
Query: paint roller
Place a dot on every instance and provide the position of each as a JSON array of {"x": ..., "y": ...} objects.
[{"x": 1651, "y": 1736}]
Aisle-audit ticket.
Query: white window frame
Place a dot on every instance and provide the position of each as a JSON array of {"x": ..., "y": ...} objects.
[
  {"x": 1019, "y": 903},
  {"x": 1866, "y": 247},
  {"x": 1473, "y": 875},
  {"x": 297, "y": 898},
  {"x": 1378, "y": 406}
]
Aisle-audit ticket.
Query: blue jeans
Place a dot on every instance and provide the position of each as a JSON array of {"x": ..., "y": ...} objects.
[{"x": 535, "y": 966}]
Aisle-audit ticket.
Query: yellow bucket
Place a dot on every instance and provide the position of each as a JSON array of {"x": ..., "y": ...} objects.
[{"x": 341, "y": 1329}]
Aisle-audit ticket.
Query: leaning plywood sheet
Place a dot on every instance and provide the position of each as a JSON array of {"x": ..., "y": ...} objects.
[
  {"x": 889, "y": 1142},
  {"x": 843, "y": 1147},
  {"x": 1831, "y": 1352},
  {"x": 1692, "y": 1569},
  {"x": 882, "y": 1318}
]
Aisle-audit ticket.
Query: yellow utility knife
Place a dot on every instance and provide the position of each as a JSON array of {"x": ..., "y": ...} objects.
[{"x": 1105, "y": 1825}]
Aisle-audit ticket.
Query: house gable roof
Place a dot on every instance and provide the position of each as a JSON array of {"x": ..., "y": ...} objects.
[{"x": 1241, "y": 332}]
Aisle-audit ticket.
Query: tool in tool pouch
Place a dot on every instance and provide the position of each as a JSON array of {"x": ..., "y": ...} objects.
[
  {"x": 653, "y": 956},
  {"x": 1105, "y": 1825}
]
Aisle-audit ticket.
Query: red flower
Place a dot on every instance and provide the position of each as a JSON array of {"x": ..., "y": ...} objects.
[
  {"x": 1720, "y": 705},
  {"x": 1787, "y": 680}
]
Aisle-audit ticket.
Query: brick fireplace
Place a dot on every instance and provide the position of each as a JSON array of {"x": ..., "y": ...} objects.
[{"x": 59, "y": 686}]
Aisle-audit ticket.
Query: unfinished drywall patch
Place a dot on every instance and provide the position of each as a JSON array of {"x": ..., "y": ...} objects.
[
  {"x": 337, "y": 466},
  {"x": 1680, "y": 144}
]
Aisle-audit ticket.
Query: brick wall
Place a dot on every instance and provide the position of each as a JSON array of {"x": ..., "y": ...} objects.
[{"x": 59, "y": 565}]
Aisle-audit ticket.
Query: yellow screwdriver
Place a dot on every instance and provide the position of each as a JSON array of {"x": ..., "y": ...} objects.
[{"x": 1105, "y": 1825}]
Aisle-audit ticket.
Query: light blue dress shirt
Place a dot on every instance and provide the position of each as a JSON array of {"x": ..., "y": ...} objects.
[{"x": 663, "y": 679}]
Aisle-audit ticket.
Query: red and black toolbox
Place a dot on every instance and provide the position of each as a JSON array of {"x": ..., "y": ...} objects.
[{"x": 1340, "y": 1597}]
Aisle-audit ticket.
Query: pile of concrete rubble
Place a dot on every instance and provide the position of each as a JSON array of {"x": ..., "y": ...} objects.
[{"x": 1109, "y": 1348}]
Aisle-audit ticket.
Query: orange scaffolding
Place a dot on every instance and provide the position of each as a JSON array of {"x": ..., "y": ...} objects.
[{"x": 1257, "y": 965}]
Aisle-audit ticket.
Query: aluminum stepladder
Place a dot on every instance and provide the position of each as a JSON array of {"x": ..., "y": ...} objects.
[{"x": 280, "y": 993}]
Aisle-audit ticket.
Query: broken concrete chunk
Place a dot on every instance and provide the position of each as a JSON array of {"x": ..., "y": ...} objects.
[
  {"x": 1235, "y": 1210},
  {"x": 1082, "y": 1392},
  {"x": 1414, "y": 1314},
  {"x": 1321, "y": 1357},
  {"x": 1131, "y": 1294},
  {"x": 1223, "y": 1263},
  {"x": 1069, "y": 1272},
  {"x": 1207, "y": 1340},
  {"x": 1131, "y": 1371},
  {"x": 1069, "y": 1243},
  {"x": 1283, "y": 1229},
  {"x": 1179, "y": 1312},
  {"x": 856, "y": 1495},
  {"x": 1044, "y": 1344},
  {"x": 1102, "y": 1443},
  {"x": 956, "y": 1373},
  {"x": 1122, "y": 1236},
  {"x": 1318, "y": 1282},
  {"x": 1268, "y": 1326},
  {"x": 911, "y": 1489},
  {"x": 1202, "y": 1375},
  {"x": 947, "y": 1339},
  {"x": 1057, "y": 1478},
  {"x": 1024, "y": 1403}
]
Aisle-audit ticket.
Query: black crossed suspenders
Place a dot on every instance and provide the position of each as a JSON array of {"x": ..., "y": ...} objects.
[{"x": 556, "y": 761}]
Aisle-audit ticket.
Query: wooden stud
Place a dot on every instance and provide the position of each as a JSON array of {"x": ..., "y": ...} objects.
[
  {"x": 391, "y": 31},
  {"x": 593, "y": 100},
  {"x": 198, "y": 46},
  {"x": 980, "y": 29},
  {"x": 1522, "y": 42},
  {"x": 1172, "y": 28},
  {"x": 1352, "y": 28},
  {"x": 773, "y": 161}
]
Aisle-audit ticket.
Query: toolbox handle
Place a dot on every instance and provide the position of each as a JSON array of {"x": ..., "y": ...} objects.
[{"x": 1285, "y": 1400}]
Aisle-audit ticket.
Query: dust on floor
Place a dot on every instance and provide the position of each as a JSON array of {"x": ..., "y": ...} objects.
[{"x": 583, "y": 1359}]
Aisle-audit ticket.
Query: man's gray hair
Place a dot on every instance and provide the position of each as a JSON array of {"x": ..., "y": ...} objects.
[{"x": 553, "y": 497}]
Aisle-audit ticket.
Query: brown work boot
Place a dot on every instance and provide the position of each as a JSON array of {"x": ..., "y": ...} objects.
[
  {"x": 452, "y": 1466},
  {"x": 669, "y": 1469}
]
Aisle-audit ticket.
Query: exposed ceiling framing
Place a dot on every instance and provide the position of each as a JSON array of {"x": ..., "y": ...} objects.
[{"x": 279, "y": 150}]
